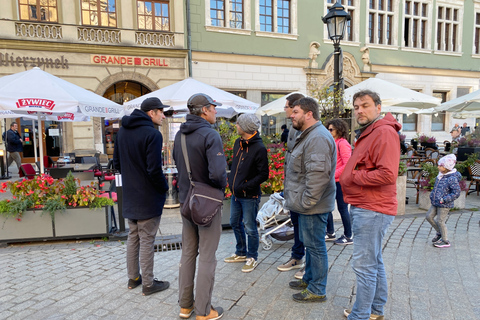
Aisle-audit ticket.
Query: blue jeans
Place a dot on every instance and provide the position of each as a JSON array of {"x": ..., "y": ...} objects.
[
  {"x": 369, "y": 228},
  {"x": 343, "y": 209},
  {"x": 312, "y": 234},
  {"x": 243, "y": 217},
  {"x": 298, "y": 250}
]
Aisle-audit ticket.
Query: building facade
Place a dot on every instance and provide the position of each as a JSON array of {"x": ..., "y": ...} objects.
[{"x": 120, "y": 49}]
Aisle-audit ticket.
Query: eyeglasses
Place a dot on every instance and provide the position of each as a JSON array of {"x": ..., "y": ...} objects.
[{"x": 330, "y": 129}]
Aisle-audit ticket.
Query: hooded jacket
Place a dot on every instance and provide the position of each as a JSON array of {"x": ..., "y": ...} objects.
[
  {"x": 369, "y": 178},
  {"x": 310, "y": 174},
  {"x": 446, "y": 189},
  {"x": 249, "y": 167},
  {"x": 138, "y": 157},
  {"x": 205, "y": 153}
]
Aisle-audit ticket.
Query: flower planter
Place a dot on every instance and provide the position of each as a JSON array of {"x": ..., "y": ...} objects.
[
  {"x": 77, "y": 222},
  {"x": 401, "y": 194},
  {"x": 71, "y": 223},
  {"x": 425, "y": 203},
  {"x": 33, "y": 225}
]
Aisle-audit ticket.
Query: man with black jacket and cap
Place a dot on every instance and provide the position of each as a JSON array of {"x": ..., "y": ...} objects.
[
  {"x": 138, "y": 157},
  {"x": 249, "y": 170},
  {"x": 207, "y": 165}
]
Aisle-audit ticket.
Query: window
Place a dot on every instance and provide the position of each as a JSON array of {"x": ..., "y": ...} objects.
[
  {"x": 266, "y": 15},
  {"x": 462, "y": 91},
  {"x": 233, "y": 9},
  {"x": 410, "y": 122},
  {"x": 448, "y": 28},
  {"x": 416, "y": 24},
  {"x": 275, "y": 16},
  {"x": 153, "y": 15},
  {"x": 476, "y": 46},
  {"x": 99, "y": 13},
  {"x": 349, "y": 6},
  {"x": 283, "y": 16},
  {"x": 38, "y": 10},
  {"x": 438, "y": 119},
  {"x": 380, "y": 22}
]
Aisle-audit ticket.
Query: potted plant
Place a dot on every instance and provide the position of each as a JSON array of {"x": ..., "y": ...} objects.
[
  {"x": 401, "y": 187},
  {"x": 428, "y": 141},
  {"x": 32, "y": 198}
]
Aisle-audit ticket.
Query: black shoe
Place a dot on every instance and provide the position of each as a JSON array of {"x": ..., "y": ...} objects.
[
  {"x": 307, "y": 296},
  {"x": 437, "y": 237},
  {"x": 157, "y": 286},
  {"x": 298, "y": 284},
  {"x": 132, "y": 284}
]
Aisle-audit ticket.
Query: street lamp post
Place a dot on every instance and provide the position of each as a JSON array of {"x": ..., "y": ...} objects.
[{"x": 335, "y": 20}]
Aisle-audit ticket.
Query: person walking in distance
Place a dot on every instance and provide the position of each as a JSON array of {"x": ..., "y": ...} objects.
[
  {"x": 310, "y": 191},
  {"x": 207, "y": 165},
  {"x": 137, "y": 156},
  {"x": 298, "y": 250},
  {"x": 339, "y": 131},
  {"x": 14, "y": 145},
  {"x": 369, "y": 186},
  {"x": 249, "y": 170}
]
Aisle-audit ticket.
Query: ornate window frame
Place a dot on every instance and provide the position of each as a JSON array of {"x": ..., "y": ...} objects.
[
  {"x": 455, "y": 27},
  {"x": 351, "y": 6},
  {"x": 35, "y": 9},
  {"x": 98, "y": 12},
  {"x": 293, "y": 35},
  {"x": 476, "y": 29},
  {"x": 247, "y": 25},
  {"x": 419, "y": 18},
  {"x": 384, "y": 12},
  {"x": 154, "y": 15}
]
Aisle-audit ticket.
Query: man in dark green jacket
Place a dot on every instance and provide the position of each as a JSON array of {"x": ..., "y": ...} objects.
[{"x": 249, "y": 170}]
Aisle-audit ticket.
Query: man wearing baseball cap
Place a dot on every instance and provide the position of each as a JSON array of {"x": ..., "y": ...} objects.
[
  {"x": 138, "y": 157},
  {"x": 207, "y": 165}
]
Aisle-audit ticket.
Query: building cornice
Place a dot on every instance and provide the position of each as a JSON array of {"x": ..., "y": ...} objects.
[
  {"x": 6, "y": 44},
  {"x": 425, "y": 71},
  {"x": 249, "y": 59}
]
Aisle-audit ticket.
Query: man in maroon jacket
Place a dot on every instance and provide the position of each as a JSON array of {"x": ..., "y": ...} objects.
[{"x": 369, "y": 185}]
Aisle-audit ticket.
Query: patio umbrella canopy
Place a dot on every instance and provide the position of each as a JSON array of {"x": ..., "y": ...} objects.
[
  {"x": 177, "y": 95},
  {"x": 38, "y": 93},
  {"x": 392, "y": 95},
  {"x": 464, "y": 106},
  {"x": 276, "y": 106}
]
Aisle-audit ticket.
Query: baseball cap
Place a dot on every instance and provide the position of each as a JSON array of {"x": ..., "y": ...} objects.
[
  {"x": 152, "y": 104},
  {"x": 199, "y": 100}
]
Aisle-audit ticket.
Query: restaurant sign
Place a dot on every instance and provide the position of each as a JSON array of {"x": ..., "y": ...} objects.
[{"x": 129, "y": 61}]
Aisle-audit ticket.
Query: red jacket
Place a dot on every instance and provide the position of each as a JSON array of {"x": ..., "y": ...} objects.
[{"x": 369, "y": 178}]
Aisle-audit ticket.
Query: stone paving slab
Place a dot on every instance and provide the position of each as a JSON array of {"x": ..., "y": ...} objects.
[{"x": 85, "y": 280}]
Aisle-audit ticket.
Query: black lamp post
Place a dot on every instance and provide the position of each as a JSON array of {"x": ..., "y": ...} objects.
[{"x": 336, "y": 20}]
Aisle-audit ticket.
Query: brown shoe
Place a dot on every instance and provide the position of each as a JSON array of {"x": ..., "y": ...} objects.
[
  {"x": 186, "y": 313},
  {"x": 215, "y": 313}
]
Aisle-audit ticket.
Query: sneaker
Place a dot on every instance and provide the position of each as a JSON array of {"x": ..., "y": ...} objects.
[
  {"x": 215, "y": 313},
  {"x": 442, "y": 243},
  {"x": 343, "y": 240},
  {"x": 157, "y": 286},
  {"x": 299, "y": 274},
  {"x": 298, "y": 285},
  {"x": 330, "y": 237},
  {"x": 133, "y": 283},
  {"x": 235, "y": 258},
  {"x": 290, "y": 264},
  {"x": 437, "y": 237},
  {"x": 307, "y": 296},
  {"x": 186, "y": 313},
  {"x": 249, "y": 265},
  {"x": 347, "y": 312}
]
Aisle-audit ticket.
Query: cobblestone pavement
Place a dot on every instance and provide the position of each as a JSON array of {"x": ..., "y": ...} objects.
[{"x": 85, "y": 280}]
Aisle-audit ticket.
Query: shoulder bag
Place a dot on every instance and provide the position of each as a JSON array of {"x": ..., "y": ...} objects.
[{"x": 203, "y": 201}]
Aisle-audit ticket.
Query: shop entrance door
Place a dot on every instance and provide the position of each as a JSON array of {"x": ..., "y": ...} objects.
[{"x": 46, "y": 132}]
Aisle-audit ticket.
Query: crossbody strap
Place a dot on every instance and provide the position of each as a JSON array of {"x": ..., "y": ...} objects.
[{"x": 185, "y": 156}]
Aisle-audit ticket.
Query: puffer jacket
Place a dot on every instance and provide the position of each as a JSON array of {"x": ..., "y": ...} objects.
[
  {"x": 446, "y": 189},
  {"x": 249, "y": 167},
  {"x": 370, "y": 176},
  {"x": 310, "y": 183}
]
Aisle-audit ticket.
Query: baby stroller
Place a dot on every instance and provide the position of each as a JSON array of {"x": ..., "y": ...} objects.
[{"x": 274, "y": 221}]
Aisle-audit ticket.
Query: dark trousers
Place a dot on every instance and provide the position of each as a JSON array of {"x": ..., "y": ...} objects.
[
  {"x": 298, "y": 250},
  {"x": 343, "y": 209}
]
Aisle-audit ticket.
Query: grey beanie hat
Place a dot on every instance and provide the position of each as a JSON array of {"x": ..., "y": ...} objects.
[{"x": 248, "y": 123}]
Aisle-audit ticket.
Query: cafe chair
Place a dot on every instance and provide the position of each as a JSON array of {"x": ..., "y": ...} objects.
[
  {"x": 111, "y": 194},
  {"x": 27, "y": 171},
  {"x": 48, "y": 162},
  {"x": 105, "y": 174},
  {"x": 474, "y": 170}
]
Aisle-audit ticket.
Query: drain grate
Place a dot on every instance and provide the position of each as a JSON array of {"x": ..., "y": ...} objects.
[{"x": 168, "y": 243}]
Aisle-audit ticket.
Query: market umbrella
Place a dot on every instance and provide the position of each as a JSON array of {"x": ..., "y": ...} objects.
[
  {"x": 36, "y": 92},
  {"x": 392, "y": 95},
  {"x": 275, "y": 106},
  {"x": 177, "y": 95},
  {"x": 464, "y": 106}
]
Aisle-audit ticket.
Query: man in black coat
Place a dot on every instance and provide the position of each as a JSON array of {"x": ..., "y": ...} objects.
[
  {"x": 207, "y": 165},
  {"x": 249, "y": 170},
  {"x": 138, "y": 157},
  {"x": 14, "y": 145}
]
